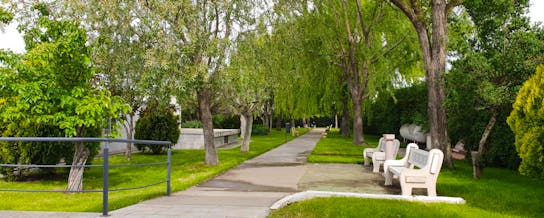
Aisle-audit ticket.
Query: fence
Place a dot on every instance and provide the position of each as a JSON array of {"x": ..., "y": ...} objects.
[{"x": 105, "y": 151}]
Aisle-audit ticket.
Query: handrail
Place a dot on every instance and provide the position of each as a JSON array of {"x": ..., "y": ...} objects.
[{"x": 105, "y": 151}]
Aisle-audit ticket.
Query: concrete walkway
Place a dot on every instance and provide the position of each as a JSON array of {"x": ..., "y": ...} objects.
[
  {"x": 251, "y": 188},
  {"x": 245, "y": 191}
]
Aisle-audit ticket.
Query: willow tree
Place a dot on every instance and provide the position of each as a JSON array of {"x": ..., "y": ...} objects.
[
  {"x": 307, "y": 84},
  {"x": 198, "y": 36},
  {"x": 429, "y": 18},
  {"x": 245, "y": 82},
  {"x": 368, "y": 34}
]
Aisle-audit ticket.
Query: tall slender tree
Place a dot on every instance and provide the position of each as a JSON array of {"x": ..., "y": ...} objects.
[
  {"x": 199, "y": 35},
  {"x": 429, "y": 18}
]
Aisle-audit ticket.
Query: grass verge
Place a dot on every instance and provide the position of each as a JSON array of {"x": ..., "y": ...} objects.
[
  {"x": 188, "y": 169},
  {"x": 337, "y": 149},
  {"x": 499, "y": 193}
]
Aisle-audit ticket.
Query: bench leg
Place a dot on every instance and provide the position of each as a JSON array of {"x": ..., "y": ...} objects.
[
  {"x": 365, "y": 157},
  {"x": 376, "y": 166},
  {"x": 406, "y": 190},
  {"x": 388, "y": 177},
  {"x": 431, "y": 191}
]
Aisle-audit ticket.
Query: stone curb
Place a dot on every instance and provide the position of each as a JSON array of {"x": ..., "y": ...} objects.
[{"x": 306, "y": 195}]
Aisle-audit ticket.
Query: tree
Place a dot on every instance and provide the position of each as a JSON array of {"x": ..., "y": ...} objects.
[
  {"x": 502, "y": 52},
  {"x": 120, "y": 52},
  {"x": 52, "y": 84},
  {"x": 357, "y": 45},
  {"x": 198, "y": 35},
  {"x": 526, "y": 120},
  {"x": 432, "y": 35},
  {"x": 245, "y": 82}
]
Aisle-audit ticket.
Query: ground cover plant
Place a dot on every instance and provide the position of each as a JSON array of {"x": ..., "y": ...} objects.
[
  {"x": 188, "y": 169},
  {"x": 498, "y": 193}
]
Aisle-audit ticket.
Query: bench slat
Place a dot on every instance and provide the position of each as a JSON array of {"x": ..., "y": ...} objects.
[{"x": 418, "y": 158}]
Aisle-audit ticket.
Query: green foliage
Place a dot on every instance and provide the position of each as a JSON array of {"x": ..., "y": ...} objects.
[
  {"x": 5, "y": 16},
  {"x": 156, "y": 124},
  {"x": 51, "y": 83},
  {"x": 527, "y": 123},
  {"x": 259, "y": 129},
  {"x": 38, "y": 152},
  {"x": 221, "y": 121},
  {"x": 389, "y": 111},
  {"x": 31, "y": 152},
  {"x": 191, "y": 124},
  {"x": 501, "y": 52}
]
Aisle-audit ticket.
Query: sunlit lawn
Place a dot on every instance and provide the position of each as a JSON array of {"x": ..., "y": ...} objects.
[
  {"x": 499, "y": 193},
  {"x": 188, "y": 169},
  {"x": 337, "y": 149}
]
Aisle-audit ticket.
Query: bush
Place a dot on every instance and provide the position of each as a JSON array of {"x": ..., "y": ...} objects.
[
  {"x": 191, "y": 124},
  {"x": 37, "y": 152},
  {"x": 221, "y": 121},
  {"x": 527, "y": 123},
  {"x": 156, "y": 125},
  {"x": 259, "y": 129},
  {"x": 386, "y": 114}
]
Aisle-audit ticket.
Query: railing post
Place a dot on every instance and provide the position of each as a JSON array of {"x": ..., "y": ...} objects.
[
  {"x": 168, "y": 171},
  {"x": 105, "y": 181}
]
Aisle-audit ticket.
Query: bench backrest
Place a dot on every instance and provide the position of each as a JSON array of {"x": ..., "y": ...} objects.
[
  {"x": 381, "y": 144},
  {"x": 428, "y": 160},
  {"x": 418, "y": 158}
]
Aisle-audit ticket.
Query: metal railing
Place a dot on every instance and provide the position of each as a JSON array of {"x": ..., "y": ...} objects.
[{"x": 105, "y": 176}]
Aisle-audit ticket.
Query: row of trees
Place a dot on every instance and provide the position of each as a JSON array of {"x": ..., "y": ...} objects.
[
  {"x": 291, "y": 59},
  {"x": 355, "y": 51},
  {"x": 128, "y": 50}
]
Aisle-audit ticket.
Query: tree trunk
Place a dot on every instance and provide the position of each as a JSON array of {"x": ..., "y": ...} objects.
[
  {"x": 75, "y": 178},
  {"x": 358, "y": 137},
  {"x": 204, "y": 96},
  {"x": 434, "y": 58},
  {"x": 345, "y": 121},
  {"x": 129, "y": 130},
  {"x": 265, "y": 118},
  {"x": 247, "y": 134},
  {"x": 477, "y": 161},
  {"x": 242, "y": 126},
  {"x": 278, "y": 123}
]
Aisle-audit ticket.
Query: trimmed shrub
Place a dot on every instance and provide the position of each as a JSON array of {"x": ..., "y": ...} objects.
[
  {"x": 259, "y": 129},
  {"x": 191, "y": 124},
  {"x": 158, "y": 125},
  {"x": 221, "y": 121},
  {"x": 49, "y": 153},
  {"x": 527, "y": 123}
]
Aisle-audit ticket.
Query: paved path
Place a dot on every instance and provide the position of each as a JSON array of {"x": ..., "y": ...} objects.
[
  {"x": 245, "y": 191},
  {"x": 251, "y": 188}
]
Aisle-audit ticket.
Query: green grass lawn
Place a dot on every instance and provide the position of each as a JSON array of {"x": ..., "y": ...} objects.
[
  {"x": 337, "y": 149},
  {"x": 188, "y": 169},
  {"x": 499, "y": 193}
]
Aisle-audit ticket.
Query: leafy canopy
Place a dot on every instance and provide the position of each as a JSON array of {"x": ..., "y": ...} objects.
[{"x": 53, "y": 82}]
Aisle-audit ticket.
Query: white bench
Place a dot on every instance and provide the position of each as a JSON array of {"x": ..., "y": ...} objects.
[
  {"x": 378, "y": 154},
  {"x": 428, "y": 163}
]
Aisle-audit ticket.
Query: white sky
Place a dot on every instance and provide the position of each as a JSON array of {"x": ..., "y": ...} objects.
[{"x": 11, "y": 39}]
